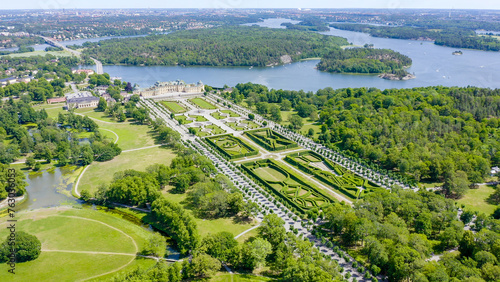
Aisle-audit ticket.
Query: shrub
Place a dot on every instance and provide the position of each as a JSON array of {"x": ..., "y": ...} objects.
[
  {"x": 354, "y": 264},
  {"x": 28, "y": 247}
]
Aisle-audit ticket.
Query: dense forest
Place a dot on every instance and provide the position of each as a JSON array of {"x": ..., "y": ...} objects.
[
  {"x": 364, "y": 60},
  {"x": 17, "y": 41},
  {"x": 426, "y": 133},
  {"x": 26, "y": 131},
  {"x": 397, "y": 233},
  {"x": 452, "y": 37},
  {"x": 222, "y": 46},
  {"x": 309, "y": 25}
]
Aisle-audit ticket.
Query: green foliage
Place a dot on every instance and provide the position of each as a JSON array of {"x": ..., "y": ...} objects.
[
  {"x": 12, "y": 182},
  {"x": 220, "y": 46},
  {"x": 176, "y": 222},
  {"x": 231, "y": 147},
  {"x": 220, "y": 245},
  {"x": 27, "y": 247},
  {"x": 286, "y": 185},
  {"x": 451, "y": 33},
  {"x": 270, "y": 139},
  {"x": 155, "y": 246},
  {"x": 204, "y": 265},
  {"x": 364, "y": 60},
  {"x": 415, "y": 134},
  {"x": 343, "y": 180}
]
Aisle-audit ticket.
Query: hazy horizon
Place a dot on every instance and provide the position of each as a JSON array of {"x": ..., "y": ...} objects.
[{"x": 277, "y": 4}]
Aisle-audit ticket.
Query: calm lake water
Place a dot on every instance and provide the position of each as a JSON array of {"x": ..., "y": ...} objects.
[
  {"x": 432, "y": 64},
  {"x": 48, "y": 189}
]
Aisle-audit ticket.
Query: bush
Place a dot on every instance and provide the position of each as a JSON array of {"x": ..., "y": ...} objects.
[
  {"x": 28, "y": 247},
  {"x": 354, "y": 264}
]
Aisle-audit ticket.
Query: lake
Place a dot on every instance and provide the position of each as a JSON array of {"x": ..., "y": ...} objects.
[
  {"x": 432, "y": 65},
  {"x": 48, "y": 189}
]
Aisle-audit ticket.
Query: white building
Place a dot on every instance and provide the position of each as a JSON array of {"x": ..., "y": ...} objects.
[{"x": 164, "y": 88}]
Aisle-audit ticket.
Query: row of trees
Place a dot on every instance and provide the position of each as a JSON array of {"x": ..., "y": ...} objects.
[
  {"x": 398, "y": 232},
  {"x": 423, "y": 133}
]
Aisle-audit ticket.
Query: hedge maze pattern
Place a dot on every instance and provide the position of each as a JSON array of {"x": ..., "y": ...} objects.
[
  {"x": 293, "y": 190},
  {"x": 231, "y": 147},
  {"x": 270, "y": 140},
  {"x": 342, "y": 180}
]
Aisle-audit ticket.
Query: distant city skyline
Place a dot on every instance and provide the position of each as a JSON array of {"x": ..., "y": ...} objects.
[{"x": 380, "y": 4}]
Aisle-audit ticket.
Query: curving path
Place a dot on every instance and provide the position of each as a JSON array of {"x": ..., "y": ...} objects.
[
  {"x": 117, "y": 137},
  {"x": 246, "y": 231}
]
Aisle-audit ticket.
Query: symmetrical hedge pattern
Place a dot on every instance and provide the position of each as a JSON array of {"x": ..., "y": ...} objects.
[
  {"x": 231, "y": 147},
  {"x": 293, "y": 190},
  {"x": 339, "y": 178},
  {"x": 270, "y": 140}
]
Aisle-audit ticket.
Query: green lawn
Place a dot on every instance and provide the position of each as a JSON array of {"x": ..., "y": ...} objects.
[
  {"x": 102, "y": 172},
  {"x": 206, "y": 226},
  {"x": 202, "y": 103},
  {"x": 52, "y": 110},
  {"x": 58, "y": 230},
  {"x": 183, "y": 119},
  {"x": 173, "y": 107},
  {"x": 215, "y": 131},
  {"x": 218, "y": 115},
  {"x": 475, "y": 199}
]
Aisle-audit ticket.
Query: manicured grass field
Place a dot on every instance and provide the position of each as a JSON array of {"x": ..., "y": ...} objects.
[
  {"x": 102, "y": 172},
  {"x": 229, "y": 113},
  {"x": 79, "y": 231},
  {"x": 207, "y": 226},
  {"x": 475, "y": 199},
  {"x": 173, "y": 107},
  {"x": 52, "y": 110},
  {"x": 202, "y": 103},
  {"x": 183, "y": 119},
  {"x": 215, "y": 131}
]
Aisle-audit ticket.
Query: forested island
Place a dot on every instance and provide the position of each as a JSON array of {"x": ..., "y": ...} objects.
[
  {"x": 366, "y": 60},
  {"x": 451, "y": 37},
  {"x": 222, "y": 46},
  {"x": 248, "y": 46}
]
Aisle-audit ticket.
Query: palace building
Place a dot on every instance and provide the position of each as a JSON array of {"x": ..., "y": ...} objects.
[{"x": 171, "y": 87}]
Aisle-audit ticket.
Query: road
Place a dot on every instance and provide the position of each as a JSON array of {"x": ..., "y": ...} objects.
[
  {"x": 241, "y": 181},
  {"x": 50, "y": 41}
]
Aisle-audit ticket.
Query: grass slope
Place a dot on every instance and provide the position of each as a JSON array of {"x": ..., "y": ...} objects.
[
  {"x": 102, "y": 172},
  {"x": 57, "y": 229},
  {"x": 475, "y": 199}
]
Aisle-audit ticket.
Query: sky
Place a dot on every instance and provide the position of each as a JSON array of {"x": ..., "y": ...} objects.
[{"x": 382, "y": 4}]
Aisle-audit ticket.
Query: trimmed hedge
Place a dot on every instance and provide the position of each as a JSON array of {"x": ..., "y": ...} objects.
[
  {"x": 252, "y": 150},
  {"x": 347, "y": 183},
  {"x": 289, "y": 193},
  {"x": 273, "y": 141}
]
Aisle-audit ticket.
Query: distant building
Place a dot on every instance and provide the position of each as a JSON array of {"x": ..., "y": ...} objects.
[
  {"x": 56, "y": 100},
  {"x": 165, "y": 88},
  {"x": 495, "y": 170},
  {"x": 82, "y": 102},
  {"x": 9, "y": 80},
  {"x": 79, "y": 95},
  {"x": 88, "y": 72}
]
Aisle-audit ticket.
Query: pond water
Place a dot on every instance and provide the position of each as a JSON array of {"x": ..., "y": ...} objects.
[
  {"x": 432, "y": 65},
  {"x": 48, "y": 189}
]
